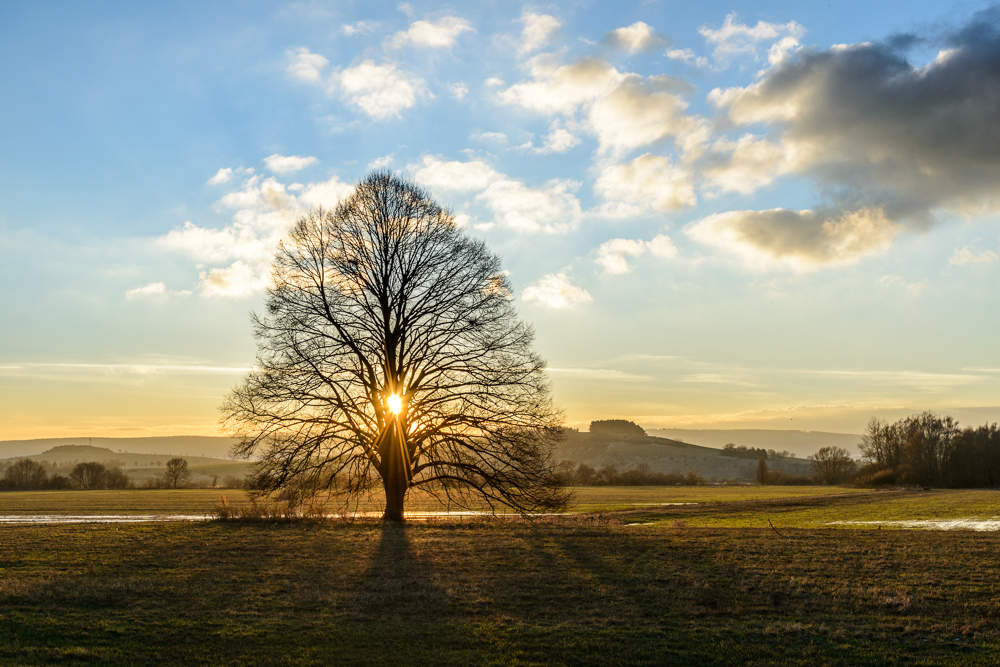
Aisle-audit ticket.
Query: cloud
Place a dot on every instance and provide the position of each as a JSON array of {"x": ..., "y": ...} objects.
[
  {"x": 891, "y": 145},
  {"x": 381, "y": 91},
  {"x": 746, "y": 164},
  {"x": 623, "y": 110},
  {"x": 282, "y": 164},
  {"x": 359, "y": 28},
  {"x": 306, "y": 66},
  {"x": 800, "y": 239},
  {"x": 649, "y": 182},
  {"x": 224, "y": 175},
  {"x": 236, "y": 281},
  {"x": 436, "y": 174},
  {"x": 458, "y": 90},
  {"x": 557, "y": 291},
  {"x": 538, "y": 29},
  {"x": 968, "y": 256},
  {"x": 440, "y": 34},
  {"x": 634, "y": 38},
  {"x": 734, "y": 39},
  {"x": 875, "y": 130},
  {"x": 562, "y": 88},
  {"x": 154, "y": 291},
  {"x": 239, "y": 255},
  {"x": 551, "y": 208},
  {"x": 687, "y": 56},
  {"x": 559, "y": 140},
  {"x": 613, "y": 255},
  {"x": 599, "y": 374}
]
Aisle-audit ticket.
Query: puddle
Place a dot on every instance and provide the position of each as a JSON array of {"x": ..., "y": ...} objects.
[
  {"x": 30, "y": 519},
  {"x": 97, "y": 518},
  {"x": 931, "y": 524}
]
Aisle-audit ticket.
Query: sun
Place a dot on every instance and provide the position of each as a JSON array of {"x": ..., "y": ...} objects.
[{"x": 395, "y": 404}]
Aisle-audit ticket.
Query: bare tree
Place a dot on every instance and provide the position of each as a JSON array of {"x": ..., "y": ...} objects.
[
  {"x": 177, "y": 472},
  {"x": 88, "y": 475},
  {"x": 833, "y": 465},
  {"x": 390, "y": 353},
  {"x": 25, "y": 474}
]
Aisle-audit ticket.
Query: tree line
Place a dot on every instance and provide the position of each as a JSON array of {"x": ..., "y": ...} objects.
[
  {"x": 570, "y": 473},
  {"x": 29, "y": 475},
  {"x": 929, "y": 450}
]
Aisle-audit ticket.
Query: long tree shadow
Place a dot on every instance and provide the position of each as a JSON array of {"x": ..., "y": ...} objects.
[{"x": 398, "y": 584}]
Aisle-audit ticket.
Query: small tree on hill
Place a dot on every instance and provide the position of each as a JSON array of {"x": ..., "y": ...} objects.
[
  {"x": 177, "y": 472},
  {"x": 617, "y": 427},
  {"x": 761, "y": 475}
]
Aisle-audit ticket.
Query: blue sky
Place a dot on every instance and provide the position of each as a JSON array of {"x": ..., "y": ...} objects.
[{"x": 716, "y": 215}]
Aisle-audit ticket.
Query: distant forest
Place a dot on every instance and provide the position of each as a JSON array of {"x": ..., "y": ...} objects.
[{"x": 928, "y": 450}]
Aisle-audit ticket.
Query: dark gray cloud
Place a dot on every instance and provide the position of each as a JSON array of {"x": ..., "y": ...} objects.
[{"x": 878, "y": 132}]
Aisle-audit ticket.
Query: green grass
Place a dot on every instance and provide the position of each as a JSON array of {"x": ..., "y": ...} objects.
[
  {"x": 494, "y": 593},
  {"x": 871, "y": 507}
]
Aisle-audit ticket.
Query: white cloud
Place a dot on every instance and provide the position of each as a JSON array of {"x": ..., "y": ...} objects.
[
  {"x": 494, "y": 81},
  {"x": 498, "y": 137},
  {"x": 285, "y": 164},
  {"x": 381, "y": 91},
  {"x": 556, "y": 290},
  {"x": 734, "y": 39},
  {"x": 436, "y": 174},
  {"x": 559, "y": 140},
  {"x": 154, "y": 291},
  {"x": 458, "y": 90},
  {"x": 968, "y": 256},
  {"x": 359, "y": 28},
  {"x": 440, "y": 34},
  {"x": 239, "y": 255},
  {"x": 561, "y": 89},
  {"x": 236, "y": 281},
  {"x": 687, "y": 56},
  {"x": 648, "y": 182},
  {"x": 801, "y": 240},
  {"x": 537, "y": 31},
  {"x": 551, "y": 208},
  {"x": 224, "y": 175},
  {"x": 746, "y": 164},
  {"x": 613, "y": 255},
  {"x": 624, "y": 110},
  {"x": 307, "y": 66},
  {"x": 634, "y": 38},
  {"x": 325, "y": 193},
  {"x": 381, "y": 162}
]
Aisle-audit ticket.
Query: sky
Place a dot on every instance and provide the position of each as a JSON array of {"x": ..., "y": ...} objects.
[{"x": 715, "y": 215}]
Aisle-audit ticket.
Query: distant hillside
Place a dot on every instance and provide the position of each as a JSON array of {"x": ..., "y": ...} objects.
[
  {"x": 64, "y": 454},
  {"x": 666, "y": 455},
  {"x": 800, "y": 443},
  {"x": 175, "y": 445}
]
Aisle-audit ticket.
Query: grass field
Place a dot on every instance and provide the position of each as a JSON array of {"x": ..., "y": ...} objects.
[
  {"x": 640, "y": 582},
  {"x": 494, "y": 593}
]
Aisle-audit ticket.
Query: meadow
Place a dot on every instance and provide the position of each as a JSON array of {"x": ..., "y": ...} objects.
[{"x": 635, "y": 583}]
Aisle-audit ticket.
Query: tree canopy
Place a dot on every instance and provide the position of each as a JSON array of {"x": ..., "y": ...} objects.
[{"x": 389, "y": 352}]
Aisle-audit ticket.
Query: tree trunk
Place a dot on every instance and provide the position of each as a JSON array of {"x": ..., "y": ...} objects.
[
  {"x": 395, "y": 492},
  {"x": 394, "y": 478}
]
